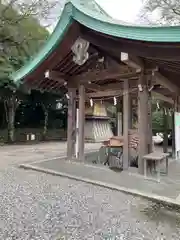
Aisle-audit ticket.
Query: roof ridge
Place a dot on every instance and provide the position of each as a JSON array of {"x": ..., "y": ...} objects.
[
  {"x": 103, "y": 11},
  {"x": 90, "y": 5}
]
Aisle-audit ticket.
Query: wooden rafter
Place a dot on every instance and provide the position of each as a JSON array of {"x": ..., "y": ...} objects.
[
  {"x": 57, "y": 76},
  {"x": 162, "y": 97},
  {"x": 160, "y": 79}
]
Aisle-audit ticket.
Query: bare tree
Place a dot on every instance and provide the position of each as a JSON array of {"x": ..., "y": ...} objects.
[
  {"x": 162, "y": 12},
  {"x": 42, "y": 10}
]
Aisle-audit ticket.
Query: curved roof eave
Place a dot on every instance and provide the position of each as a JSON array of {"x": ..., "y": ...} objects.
[
  {"x": 117, "y": 28},
  {"x": 89, "y": 14}
]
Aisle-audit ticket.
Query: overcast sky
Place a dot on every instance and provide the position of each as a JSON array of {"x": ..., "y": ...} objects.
[{"x": 125, "y": 10}]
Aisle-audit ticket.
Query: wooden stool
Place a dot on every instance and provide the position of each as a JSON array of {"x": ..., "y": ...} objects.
[{"x": 156, "y": 158}]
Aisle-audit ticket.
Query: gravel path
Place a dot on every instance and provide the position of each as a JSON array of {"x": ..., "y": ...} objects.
[
  {"x": 36, "y": 152},
  {"x": 44, "y": 207}
]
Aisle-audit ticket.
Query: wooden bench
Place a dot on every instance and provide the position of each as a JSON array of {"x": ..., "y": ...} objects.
[{"x": 155, "y": 159}]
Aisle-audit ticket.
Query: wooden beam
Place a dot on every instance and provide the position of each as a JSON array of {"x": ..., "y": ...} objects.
[
  {"x": 105, "y": 94},
  {"x": 97, "y": 88},
  {"x": 112, "y": 73},
  {"x": 94, "y": 87},
  {"x": 59, "y": 77},
  {"x": 162, "y": 97},
  {"x": 160, "y": 79},
  {"x": 112, "y": 86},
  {"x": 133, "y": 62}
]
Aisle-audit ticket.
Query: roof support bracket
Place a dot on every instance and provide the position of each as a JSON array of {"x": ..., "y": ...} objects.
[
  {"x": 160, "y": 79},
  {"x": 133, "y": 62}
]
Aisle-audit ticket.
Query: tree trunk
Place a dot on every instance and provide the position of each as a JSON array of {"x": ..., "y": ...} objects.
[
  {"x": 46, "y": 117},
  {"x": 10, "y": 105},
  {"x": 11, "y": 117}
]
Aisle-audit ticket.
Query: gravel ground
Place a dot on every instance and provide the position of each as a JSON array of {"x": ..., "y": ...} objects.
[{"x": 44, "y": 207}]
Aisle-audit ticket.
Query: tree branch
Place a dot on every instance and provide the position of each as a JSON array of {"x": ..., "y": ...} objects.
[{"x": 168, "y": 11}]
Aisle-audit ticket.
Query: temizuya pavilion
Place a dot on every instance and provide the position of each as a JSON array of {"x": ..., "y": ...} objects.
[{"x": 95, "y": 56}]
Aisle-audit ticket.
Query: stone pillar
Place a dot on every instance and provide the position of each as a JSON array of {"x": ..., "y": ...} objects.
[
  {"x": 81, "y": 119},
  {"x": 126, "y": 125},
  {"x": 71, "y": 129},
  {"x": 143, "y": 122}
]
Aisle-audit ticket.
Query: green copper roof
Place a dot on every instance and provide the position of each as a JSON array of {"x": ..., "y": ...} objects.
[
  {"x": 90, "y": 14},
  {"x": 90, "y": 5}
]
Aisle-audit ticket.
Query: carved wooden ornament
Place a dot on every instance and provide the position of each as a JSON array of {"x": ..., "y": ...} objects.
[{"x": 80, "y": 50}]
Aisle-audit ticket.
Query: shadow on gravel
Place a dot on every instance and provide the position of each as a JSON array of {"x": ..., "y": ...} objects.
[{"x": 159, "y": 212}]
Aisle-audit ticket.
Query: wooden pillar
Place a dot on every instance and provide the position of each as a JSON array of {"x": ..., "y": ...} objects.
[
  {"x": 77, "y": 133},
  {"x": 143, "y": 122},
  {"x": 165, "y": 123},
  {"x": 173, "y": 136},
  {"x": 150, "y": 143},
  {"x": 71, "y": 129},
  {"x": 119, "y": 119},
  {"x": 175, "y": 108},
  {"x": 130, "y": 112},
  {"x": 81, "y": 119},
  {"x": 126, "y": 125}
]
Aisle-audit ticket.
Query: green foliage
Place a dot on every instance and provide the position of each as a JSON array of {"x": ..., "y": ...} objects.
[
  {"x": 45, "y": 99},
  {"x": 158, "y": 117},
  {"x": 20, "y": 38},
  {"x": 157, "y": 121}
]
